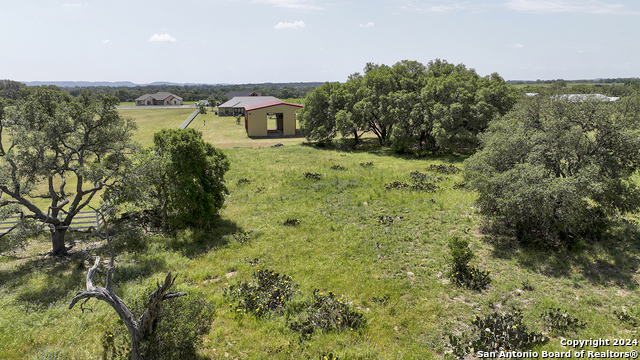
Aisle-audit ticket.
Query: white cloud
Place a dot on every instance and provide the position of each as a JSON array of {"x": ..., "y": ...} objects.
[
  {"x": 288, "y": 25},
  {"x": 292, "y": 4},
  {"x": 561, "y": 6},
  {"x": 73, "y": 5},
  {"x": 105, "y": 41},
  {"x": 437, "y": 8},
  {"x": 367, "y": 25},
  {"x": 517, "y": 46},
  {"x": 162, "y": 38}
]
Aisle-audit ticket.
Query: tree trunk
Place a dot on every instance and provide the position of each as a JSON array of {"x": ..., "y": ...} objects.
[
  {"x": 57, "y": 242},
  {"x": 146, "y": 323}
]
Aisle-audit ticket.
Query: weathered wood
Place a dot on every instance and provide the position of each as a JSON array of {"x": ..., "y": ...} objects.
[{"x": 138, "y": 328}]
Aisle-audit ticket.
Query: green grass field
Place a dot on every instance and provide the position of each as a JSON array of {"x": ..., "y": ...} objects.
[{"x": 382, "y": 250}]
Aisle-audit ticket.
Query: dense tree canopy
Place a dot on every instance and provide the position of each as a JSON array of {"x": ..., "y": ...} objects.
[
  {"x": 10, "y": 90},
  {"x": 556, "y": 170},
  {"x": 408, "y": 105},
  {"x": 74, "y": 147},
  {"x": 181, "y": 176}
]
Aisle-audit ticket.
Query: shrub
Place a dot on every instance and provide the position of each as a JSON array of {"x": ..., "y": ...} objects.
[
  {"x": 625, "y": 317},
  {"x": 310, "y": 175},
  {"x": 444, "y": 169},
  {"x": 291, "y": 222},
  {"x": 268, "y": 293},
  {"x": 396, "y": 185},
  {"x": 326, "y": 313},
  {"x": 244, "y": 181},
  {"x": 554, "y": 171},
  {"x": 181, "y": 177},
  {"x": 419, "y": 181},
  {"x": 560, "y": 321},
  {"x": 338, "y": 167},
  {"x": 367, "y": 164},
  {"x": 460, "y": 185},
  {"x": 504, "y": 332},
  {"x": 417, "y": 176},
  {"x": 242, "y": 236},
  {"x": 496, "y": 332},
  {"x": 461, "y": 273}
]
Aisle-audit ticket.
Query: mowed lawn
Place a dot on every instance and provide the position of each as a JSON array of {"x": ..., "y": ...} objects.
[
  {"x": 150, "y": 121},
  {"x": 222, "y": 131}
]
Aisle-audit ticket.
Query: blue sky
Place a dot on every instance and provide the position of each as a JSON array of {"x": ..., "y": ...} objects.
[{"x": 255, "y": 41}]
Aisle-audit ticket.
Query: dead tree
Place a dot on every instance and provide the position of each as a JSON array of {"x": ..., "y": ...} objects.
[{"x": 139, "y": 328}]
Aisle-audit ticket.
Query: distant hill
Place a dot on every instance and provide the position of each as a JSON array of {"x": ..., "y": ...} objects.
[{"x": 72, "y": 84}]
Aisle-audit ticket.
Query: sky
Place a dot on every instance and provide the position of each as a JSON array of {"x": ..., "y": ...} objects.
[{"x": 279, "y": 41}]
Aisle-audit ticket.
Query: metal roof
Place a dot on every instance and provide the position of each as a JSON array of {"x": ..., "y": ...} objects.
[
  {"x": 244, "y": 101},
  {"x": 270, "y": 104}
]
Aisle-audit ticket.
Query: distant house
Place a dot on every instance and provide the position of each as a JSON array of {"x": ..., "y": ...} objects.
[
  {"x": 236, "y": 105},
  {"x": 232, "y": 94},
  {"x": 161, "y": 98}
]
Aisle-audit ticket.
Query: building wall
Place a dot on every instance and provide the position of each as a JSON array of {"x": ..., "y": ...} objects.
[{"x": 257, "y": 120}]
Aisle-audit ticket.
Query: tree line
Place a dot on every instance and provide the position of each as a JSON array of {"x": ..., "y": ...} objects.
[
  {"x": 408, "y": 105},
  {"x": 10, "y": 89},
  {"x": 593, "y": 81},
  {"x": 627, "y": 88},
  {"x": 213, "y": 93}
]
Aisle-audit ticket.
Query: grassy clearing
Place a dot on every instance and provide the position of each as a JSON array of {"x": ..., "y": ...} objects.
[
  {"x": 222, "y": 131},
  {"x": 384, "y": 250},
  {"x": 150, "y": 121}
]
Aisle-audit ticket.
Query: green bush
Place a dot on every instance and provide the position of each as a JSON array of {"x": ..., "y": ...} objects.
[
  {"x": 268, "y": 293},
  {"x": 291, "y": 222},
  {"x": 461, "y": 273},
  {"x": 396, "y": 185},
  {"x": 628, "y": 318},
  {"x": 327, "y": 313},
  {"x": 314, "y": 176},
  {"x": 243, "y": 181},
  {"x": 504, "y": 332},
  {"x": 444, "y": 169},
  {"x": 419, "y": 182},
  {"x": 496, "y": 332},
  {"x": 561, "y": 322},
  {"x": 554, "y": 171}
]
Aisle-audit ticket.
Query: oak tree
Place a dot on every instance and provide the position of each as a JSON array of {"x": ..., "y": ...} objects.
[{"x": 72, "y": 147}]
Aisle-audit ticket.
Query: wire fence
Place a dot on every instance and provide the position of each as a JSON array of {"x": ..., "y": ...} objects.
[{"x": 83, "y": 221}]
